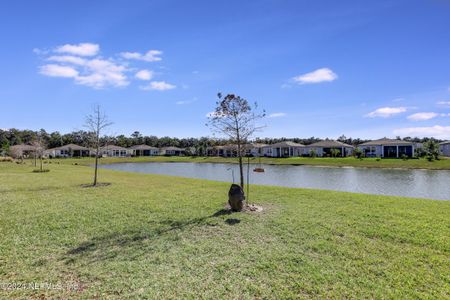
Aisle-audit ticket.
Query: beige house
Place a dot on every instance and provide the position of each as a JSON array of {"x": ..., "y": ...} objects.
[
  {"x": 144, "y": 150},
  {"x": 388, "y": 148},
  {"x": 324, "y": 148},
  {"x": 22, "y": 151},
  {"x": 114, "y": 151},
  {"x": 70, "y": 150},
  {"x": 172, "y": 151}
]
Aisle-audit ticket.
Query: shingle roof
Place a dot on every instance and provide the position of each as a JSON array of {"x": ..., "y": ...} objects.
[
  {"x": 172, "y": 149},
  {"x": 286, "y": 144},
  {"x": 330, "y": 144},
  {"x": 69, "y": 147},
  {"x": 23, "y": 147},
  {"x": 382, "y": 142},
  {"x": 112, "y": 147},
  {"x": 143, "y": 147}
]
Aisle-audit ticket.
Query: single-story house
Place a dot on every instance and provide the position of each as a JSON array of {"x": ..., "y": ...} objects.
[
  {"x": 444, "y": 147},
  {"x": 144, "y": 150},
  {"x": 70, "y": 150},
  {"x": 223, "y": 151},
  {"x": 284, "y": 149},
  {"x": 388, "y": 148},
  {"x": 255, "y": 149},
  {"x": 324, "y": 148},
  {"x": 114, "y": 151},
  {"x": 172, "y": 151},
  {"x": 21, "y": 151}
]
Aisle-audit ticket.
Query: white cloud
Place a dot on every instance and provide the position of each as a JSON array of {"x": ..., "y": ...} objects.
[
  {"x": 317, "y": 76},
  {"x": 422, "y": 116},
  {"x": 444, "y": 103},
  {"x": 277, "y": 115},
  {"x": 149, "y": 56},
  {"x": 183, "y": 102},
  {"x": 158, "y": 86},
  {"x": 68, "y": 59},
  {"x": 437, "y": 131},
  {"x": 58, "y": 71},
  {"x": 386, "y": 112},
  {"x": 144, "y": 75},
  {"x": 83, "y": 49},
  {"x": 100, "y": 73}
]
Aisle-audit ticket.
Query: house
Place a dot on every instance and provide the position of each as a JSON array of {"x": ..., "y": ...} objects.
[
  {"x": 255, "y": 149},
  {"x": 284, "y": 149},
  {"x": 388, "y": 148},
  {"x": 223, "y": 151},
  {"x": 444, "y": 147},
  {"x": 172, "y": 151},
  {"x": 114, "y": 151},
  {"x": 143, "y": 150},
  {"x": 70, "y": 150},
  {"x": 21, "y": 151},
  {"x": 324, "y": 148}
]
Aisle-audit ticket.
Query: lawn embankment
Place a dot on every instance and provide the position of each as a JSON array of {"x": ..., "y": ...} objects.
[
  {"x": 442, "y": 164},
  {"x": 148, "y": 236}
]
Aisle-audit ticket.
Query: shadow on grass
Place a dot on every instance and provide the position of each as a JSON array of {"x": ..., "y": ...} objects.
[{"x": 133, "y": 243}]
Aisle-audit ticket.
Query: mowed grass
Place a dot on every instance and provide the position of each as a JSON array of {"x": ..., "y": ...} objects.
[
  {"x": 148, "y": 236},
  {"x": 442, "y": 164}
]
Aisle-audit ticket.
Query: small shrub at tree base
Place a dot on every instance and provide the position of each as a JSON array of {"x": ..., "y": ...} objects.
[
  {"x": 41, "y": 171},
  {"x": 378, "y": 159}
]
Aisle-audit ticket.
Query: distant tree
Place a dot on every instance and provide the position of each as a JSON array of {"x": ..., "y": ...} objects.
[
  {"x": 431, "y": 149},
  {"x": 235, "y": 118},
  {"x": 96, "y": 123}
]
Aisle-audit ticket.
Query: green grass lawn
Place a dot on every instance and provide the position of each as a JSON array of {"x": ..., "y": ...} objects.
[
  {"x": 148, "y": 236},
  {"x": 442, "y": 164}
]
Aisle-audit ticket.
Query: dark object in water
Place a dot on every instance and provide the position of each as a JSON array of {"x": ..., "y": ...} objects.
[
  {"x": 258, "y": 170},
  {"x": 236, "y": 197}
]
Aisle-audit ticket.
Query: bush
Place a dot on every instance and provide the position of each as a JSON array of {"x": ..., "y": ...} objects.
[
  {"x": 358, "y": 153},
  {"x": 313, "y": 153},
  {"x": 404, "y": 157},
  {"x": 41, "y": 171},
  {"x": 378, "y": 159}
]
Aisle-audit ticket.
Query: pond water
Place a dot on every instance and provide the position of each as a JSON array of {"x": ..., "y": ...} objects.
[{"x": 409, "y": 183}]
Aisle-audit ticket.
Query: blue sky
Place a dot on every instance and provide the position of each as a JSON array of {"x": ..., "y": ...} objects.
[{"x": 319, "y": 68}]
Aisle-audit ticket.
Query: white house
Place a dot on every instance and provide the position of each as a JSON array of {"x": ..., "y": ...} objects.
[
  {"x": 284, "y": 149},
  {"x": 70, "y": 150},
  {"x": 114, "y": 151},
  {"x": 444, "y": 147},
  {"x": 324, "y": 148},
  {"x": 388, "y": 148},
  {"x": 144, "y": 150}
]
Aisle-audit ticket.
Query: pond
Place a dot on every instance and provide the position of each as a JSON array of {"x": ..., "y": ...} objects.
[{"x": 409, "y": 183}]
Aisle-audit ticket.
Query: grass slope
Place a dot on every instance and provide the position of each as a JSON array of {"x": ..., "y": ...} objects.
[
  {"x": 443, "y": 164},
  {"x": 148, "y": 236}
]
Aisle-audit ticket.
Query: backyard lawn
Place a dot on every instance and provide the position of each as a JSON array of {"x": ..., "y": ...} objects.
[{"x": 151, "y": 236}]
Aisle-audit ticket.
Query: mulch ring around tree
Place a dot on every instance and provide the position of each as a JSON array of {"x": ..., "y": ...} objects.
[{"x": 90, "y": 185}]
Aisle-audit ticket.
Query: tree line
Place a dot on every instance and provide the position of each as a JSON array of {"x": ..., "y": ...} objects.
[{"x": 13, "y": 137}]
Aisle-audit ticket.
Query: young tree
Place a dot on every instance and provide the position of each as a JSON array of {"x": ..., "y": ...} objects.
[
  {"x": 96, "y": 123},
  {"x": 431, "y": 149},
  {"x": 235, "y": 118},
  {"x": 39, "y": 148}
]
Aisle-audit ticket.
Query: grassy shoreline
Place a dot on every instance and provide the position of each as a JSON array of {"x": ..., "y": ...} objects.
[
  {"x": 443, "y": 164},
  {"x": 151, "y": 236}
]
